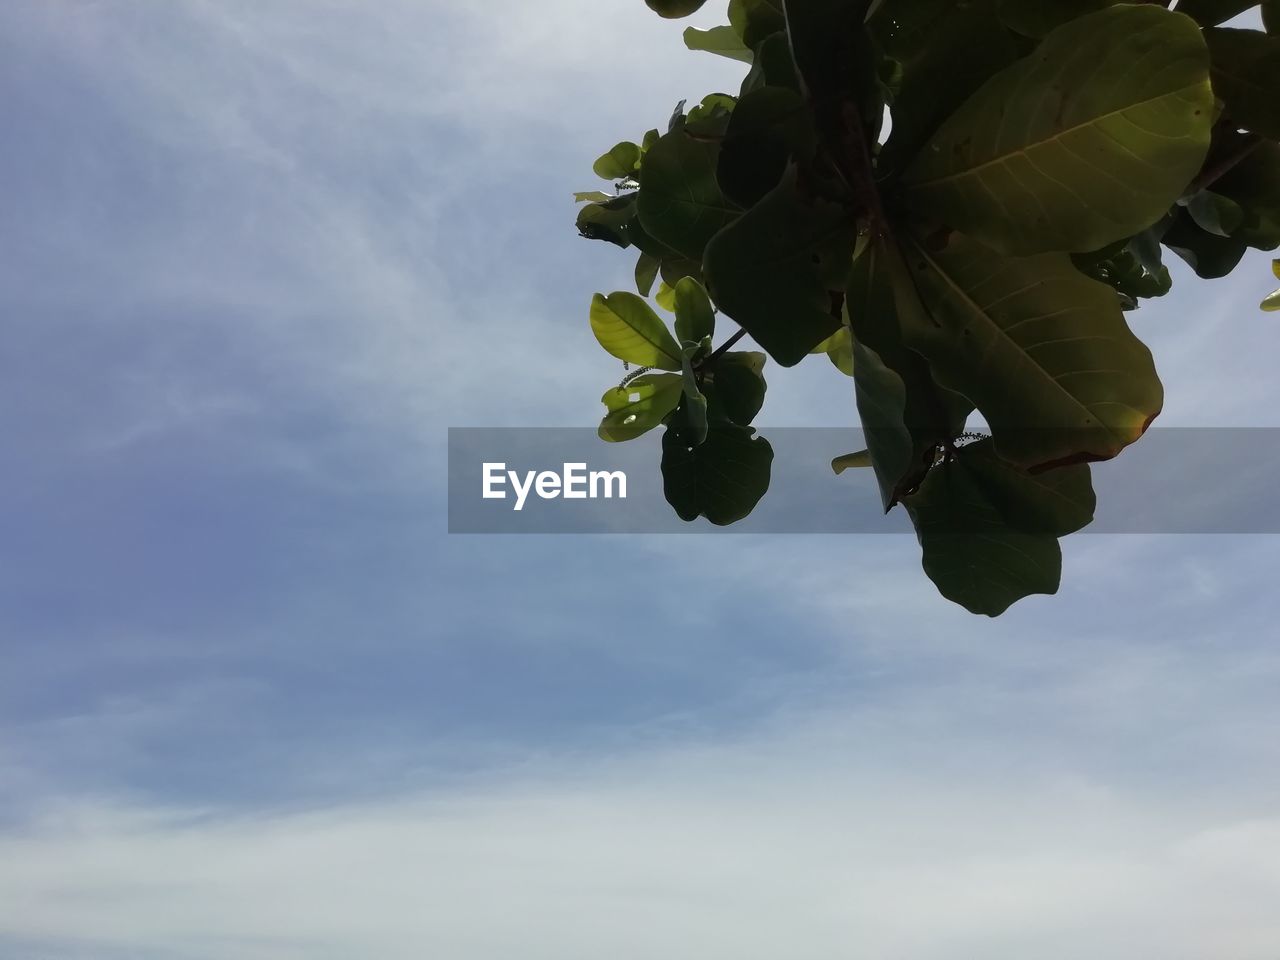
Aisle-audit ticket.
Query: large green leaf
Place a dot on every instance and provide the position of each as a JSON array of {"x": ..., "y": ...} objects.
[
  {"x": 628, "y": 328},
  {"x": 1246, "y": 77},
  {"x": 1043, "y": 351},
  {"x": 974, "y": 556},
  {"x": 722, "y": 479},
  {"x": 639, "y": 406},
  {"x": 775, "y": 269},
  {"x": 1210, "y": 13},
  {"x": 680, "y": 202},
  {"x": 1066, "y": 151},
  {"x": 722, "y": 41}
]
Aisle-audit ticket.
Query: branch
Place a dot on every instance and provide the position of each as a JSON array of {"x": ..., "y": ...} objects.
[{"x": 1238, "y": 152}]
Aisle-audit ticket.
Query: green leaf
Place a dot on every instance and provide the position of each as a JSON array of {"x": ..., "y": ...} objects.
[
  {"x": 773, "y": 66},
  {"x": 628, "y": 328},
  {"x": 680, "y": 203},
  {"x": 639, "y": 406},
  {"x": 646, "y": 273},
  {"x": 695, "y": 317},
  {"x": 1272, "y": 303},
  {"x": 608, "y": 220},
  {"x": 971, "y": 552},
  {"x": 851, "y": 461},
  {"x": 593, "y": 195},
  {"x": 1210, "y": 256},
  {"x": 905, "y": 415},
  {"x": 738, "y": 386},
  {"x": 666, "y": 297},
  {"x": 1132, "y": 268},
  {"x": 693, "y": 408},
  {"x": 674, "y": 9},
  {"x": 1043, "y": 351},
  {"x": 774, "y": 270},
  {"x": 1214, "y": 213},
  {"x": 722, "y": 41},
  {"x": 619, "y": 163},
  {"x": 840, "y": 351},
  {"x": 1038, "y": 18},
  {"x": 756, "y": 20},
  {"x": 1068, "y": 152},
  {"x": 1246, "y": 77},
  {"x": 721, "y": 479},
  {"x": 1210, "y": 13},
  {"x": 769, "y": 127},
  {"x": 947, "y": 50},
  {"x": 1056, "y": 502},
  {"x": 1254, "y": 184}
]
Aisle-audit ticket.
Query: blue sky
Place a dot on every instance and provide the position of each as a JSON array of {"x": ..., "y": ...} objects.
[{"x": 256, "y": 703}]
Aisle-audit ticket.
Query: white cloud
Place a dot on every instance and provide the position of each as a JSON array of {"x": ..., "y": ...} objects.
[{"x": 775, "y": 845}]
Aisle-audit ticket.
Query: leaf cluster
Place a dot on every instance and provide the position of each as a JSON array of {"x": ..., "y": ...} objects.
[{"x": 958, "y": 203}]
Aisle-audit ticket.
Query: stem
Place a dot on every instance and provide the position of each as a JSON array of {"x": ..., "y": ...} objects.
[
  {"x": 1245, "y": 145},
  {"x": 723, "y": 349}
]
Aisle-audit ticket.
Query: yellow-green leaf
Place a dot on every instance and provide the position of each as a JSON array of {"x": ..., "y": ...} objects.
[
  {"x": 628, "y": 328},
  {"x": 1087, "y": 141},
  {"x": 639, "y": 406},
  {"x": 1042, "y": 350}
]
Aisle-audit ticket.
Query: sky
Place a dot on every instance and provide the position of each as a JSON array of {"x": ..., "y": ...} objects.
[{"x": 255, "y": 259}]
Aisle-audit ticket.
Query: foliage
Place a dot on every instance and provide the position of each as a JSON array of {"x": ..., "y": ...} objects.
[{"x": 975, "y": 254}]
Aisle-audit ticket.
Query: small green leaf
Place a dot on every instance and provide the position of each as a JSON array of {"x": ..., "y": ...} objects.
[
  {"x": 1209, "y": 255},
  {"x": 619, "y": 163},
  {"x": 646, "y": 274},
  {"x": 695, "y": 317},
  {"x": 639, "y": 406},
  {"x": 840, "y": 351},
  {"x": 680, "y": 203},
  {"x": 608, "y": 220},
  {"x": 721, "y": 479},
  {"x": 738, "y": 386},
  {"x": 755, "y": 20},
  {"x": 775, "y": 269},
  {"x": 1214, "y": 213},
  {"x": 666, "y": 297},
  {"x": 722, "y": 41},
  {"x": 628, "y": 328},
  {"x": 1272, "y": 303},
  {"x": 851, "y": 461},
  {"x": 1064, "y": 152},
  {"x": 1246, "y": 77},
  {"x": 693, "y": 408},
  {"x": 596, "y": 196}
]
